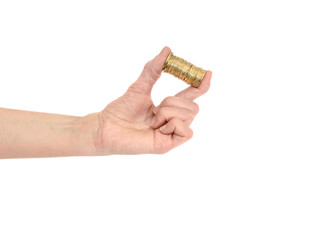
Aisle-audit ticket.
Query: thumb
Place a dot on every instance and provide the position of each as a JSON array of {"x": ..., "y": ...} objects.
[{"x": 151, "y": 72}]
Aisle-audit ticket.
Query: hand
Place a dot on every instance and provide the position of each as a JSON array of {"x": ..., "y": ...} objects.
[
  {"x": 129, "y": 125},
  {"x": 133, "y": 125}
]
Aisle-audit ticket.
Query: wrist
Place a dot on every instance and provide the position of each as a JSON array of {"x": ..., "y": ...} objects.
[{"x": 85, "y": 134}]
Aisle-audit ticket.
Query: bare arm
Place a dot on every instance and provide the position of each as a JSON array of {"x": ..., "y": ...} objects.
[
  {"x": 131, "y": 124},
  {"x": 33, "y": 134}
]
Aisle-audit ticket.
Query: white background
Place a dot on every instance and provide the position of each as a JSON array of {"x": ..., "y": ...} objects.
[{"x": 246, "y": 174}]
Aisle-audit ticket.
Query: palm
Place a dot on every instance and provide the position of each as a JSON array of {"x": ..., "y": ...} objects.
[{"x": 129, "y": 118}]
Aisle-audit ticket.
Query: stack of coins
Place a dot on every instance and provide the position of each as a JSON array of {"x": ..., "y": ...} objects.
[{"x": 184, "y": 70}]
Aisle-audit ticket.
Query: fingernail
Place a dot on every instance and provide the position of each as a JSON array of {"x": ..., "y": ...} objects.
[{"x": 163, "y": 127}]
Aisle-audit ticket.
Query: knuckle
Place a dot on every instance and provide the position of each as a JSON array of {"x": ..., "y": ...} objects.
[
  {"x": 192, "y": 116},
  {"x": 168, "y": 100},
  {"x": 150, "y": 71},
  {"x": 190, "y": 133},
  {"x": 196, "y": 107},
  {"x": 174, "y": 121},
  {"x": 155, "y": 74},
  {"x": 161, "y": 112},
  {"x": 147, "y": 65},
  {"x": 188, "y": 114}
]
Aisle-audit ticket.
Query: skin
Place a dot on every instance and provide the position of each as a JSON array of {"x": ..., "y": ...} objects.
[{"x": 131, "y": 124}]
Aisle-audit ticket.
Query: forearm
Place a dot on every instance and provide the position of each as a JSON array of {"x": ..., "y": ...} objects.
[{"x": 32, "y": 134}]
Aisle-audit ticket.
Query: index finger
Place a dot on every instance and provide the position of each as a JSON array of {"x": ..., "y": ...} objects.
[{"x": 192, "y": 93}]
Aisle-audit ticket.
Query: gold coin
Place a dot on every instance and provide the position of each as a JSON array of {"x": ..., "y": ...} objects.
[{"x": 183, "y": 70}]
